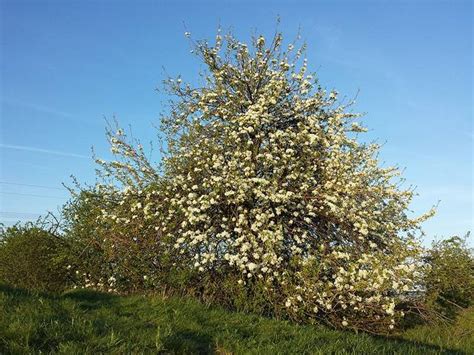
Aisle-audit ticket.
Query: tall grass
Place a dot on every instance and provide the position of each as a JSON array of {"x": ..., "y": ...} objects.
[{"x": 86, "y": 322}]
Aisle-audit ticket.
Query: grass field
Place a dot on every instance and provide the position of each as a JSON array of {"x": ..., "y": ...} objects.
[{"x": 85, "y": 322}]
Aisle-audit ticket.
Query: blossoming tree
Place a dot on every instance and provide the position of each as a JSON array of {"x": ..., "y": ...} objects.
[{"x": 265, "y": 178}]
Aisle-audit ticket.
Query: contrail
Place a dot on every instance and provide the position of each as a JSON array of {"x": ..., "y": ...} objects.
[
  {"x": 45, "y": 151},
  {"x": 48, "y": 110},
  {"x": 40, "y": 108}
]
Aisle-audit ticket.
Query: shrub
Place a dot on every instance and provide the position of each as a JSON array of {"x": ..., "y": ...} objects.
[
  {"x": 31, "y": 257},
  {"x": 87, "y": 258},
  {"x": 123, "y": 257},
  {"x": 449, "y": 281}
]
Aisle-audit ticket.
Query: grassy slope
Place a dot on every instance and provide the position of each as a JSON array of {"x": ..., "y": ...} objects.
[{"x": 86, "y": 322}]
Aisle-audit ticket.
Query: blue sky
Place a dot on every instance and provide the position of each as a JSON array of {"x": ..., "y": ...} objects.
[{"x": 67, "y": 65}]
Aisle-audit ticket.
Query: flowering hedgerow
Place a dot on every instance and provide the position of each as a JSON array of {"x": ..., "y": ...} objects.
[{"x": 265, "y": 178}]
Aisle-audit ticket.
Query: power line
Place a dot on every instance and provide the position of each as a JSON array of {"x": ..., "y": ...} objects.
[
  {"x": 31, "y": 195},
  {"x": 8, "y": 214},
  {"x": 31, "y": 185}
]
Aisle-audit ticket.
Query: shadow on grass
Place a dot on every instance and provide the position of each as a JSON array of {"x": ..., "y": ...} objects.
[
  {"x": 89, "y": 296},
  {"x": 85, "y": 298},
  {"x": 189, "y": 342},
  {"x": 89, "y": 300},
  {"x": 20, "y": 292}
]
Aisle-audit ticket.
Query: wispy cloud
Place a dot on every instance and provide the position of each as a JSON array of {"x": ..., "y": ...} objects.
[
  {"x": 48, "y": 110},
  {"x": 40, "y": 108},
  {"x": 44, "y": 151}
]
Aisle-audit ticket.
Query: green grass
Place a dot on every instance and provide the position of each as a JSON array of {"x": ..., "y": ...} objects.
[{"x": 84, "y": 322}]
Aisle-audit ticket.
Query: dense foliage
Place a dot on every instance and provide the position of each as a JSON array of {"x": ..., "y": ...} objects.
[
  {"x": 450, "y": 278},
  {"x": 31, "y": 257}
]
